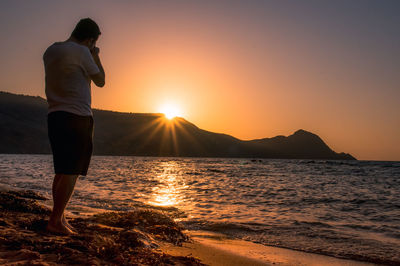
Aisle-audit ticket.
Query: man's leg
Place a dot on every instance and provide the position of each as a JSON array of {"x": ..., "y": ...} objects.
[
  {"x": 55, "y": 182},
  {"x": 63, "y": 186}
]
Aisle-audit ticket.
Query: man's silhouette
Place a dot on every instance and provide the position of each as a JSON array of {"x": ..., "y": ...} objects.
[{"x": 70, "y": 66}]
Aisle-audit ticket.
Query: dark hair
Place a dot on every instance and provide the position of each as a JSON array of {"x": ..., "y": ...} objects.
[{"x": 86, "y": 29}]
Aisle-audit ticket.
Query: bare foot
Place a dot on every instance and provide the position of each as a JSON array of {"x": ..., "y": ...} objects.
[
  {"x": 59, "y": 228},
  {"x": 65, "y": 222}
]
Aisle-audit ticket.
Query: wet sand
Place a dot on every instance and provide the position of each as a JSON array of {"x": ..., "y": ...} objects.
[{"x": 217, "y": 250}]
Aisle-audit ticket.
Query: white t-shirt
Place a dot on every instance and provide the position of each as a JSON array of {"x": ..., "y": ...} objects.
[{"x": 67, "y": 68}]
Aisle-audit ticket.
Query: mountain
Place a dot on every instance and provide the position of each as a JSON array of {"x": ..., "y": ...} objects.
[{"x": 23, "y": 129}]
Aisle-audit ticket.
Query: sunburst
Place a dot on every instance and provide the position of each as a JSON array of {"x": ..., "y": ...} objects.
[{"x": 170, "y": 111}]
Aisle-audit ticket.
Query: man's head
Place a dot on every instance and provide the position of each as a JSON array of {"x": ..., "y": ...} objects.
[{"x": 86, "y": 32}]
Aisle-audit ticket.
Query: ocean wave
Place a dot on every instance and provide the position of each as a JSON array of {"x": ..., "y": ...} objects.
[{"x": 222, "y": 227}]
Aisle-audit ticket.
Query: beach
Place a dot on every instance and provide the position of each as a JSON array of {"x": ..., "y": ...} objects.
[
  {"x": 215, "y": 133},
  {"x": 345, "y": 210},
  {"x": 137, "y": 237}
]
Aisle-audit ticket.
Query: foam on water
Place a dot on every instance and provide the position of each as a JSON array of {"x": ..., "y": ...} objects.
[{"x": 343, "y": 208}]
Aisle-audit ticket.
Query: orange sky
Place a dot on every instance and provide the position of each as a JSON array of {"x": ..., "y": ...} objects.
[{"x": 250, "y": 70}]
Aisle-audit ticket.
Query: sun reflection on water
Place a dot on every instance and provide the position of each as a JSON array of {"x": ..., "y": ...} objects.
[{"x": 169, "y": 191}]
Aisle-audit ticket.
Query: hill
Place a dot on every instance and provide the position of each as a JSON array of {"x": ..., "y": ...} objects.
[{"x": 23, "y": 129}]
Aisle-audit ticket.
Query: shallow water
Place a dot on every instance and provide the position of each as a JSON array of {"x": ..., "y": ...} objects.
[{"x": 347, "y": 209}]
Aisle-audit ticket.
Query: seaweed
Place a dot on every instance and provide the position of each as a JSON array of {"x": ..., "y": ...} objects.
[{"x": 110, "y": 238}]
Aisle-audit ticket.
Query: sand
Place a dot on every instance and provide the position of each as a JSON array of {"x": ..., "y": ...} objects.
[{"x": 217, "y": 250}]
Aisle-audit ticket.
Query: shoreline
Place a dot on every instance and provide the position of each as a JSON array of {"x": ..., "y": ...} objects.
[
  {"x": 217, "y": 249},
  {"x": 214, "y": 248},
  {"x": 23, "y": 215}
]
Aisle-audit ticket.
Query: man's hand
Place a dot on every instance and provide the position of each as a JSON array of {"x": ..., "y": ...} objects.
[
  {"x": 99, "y": 78},
  {"x": 95, "y": 50}
]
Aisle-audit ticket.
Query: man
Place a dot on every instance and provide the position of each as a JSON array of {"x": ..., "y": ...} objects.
[{"x": 70, "y": 66}]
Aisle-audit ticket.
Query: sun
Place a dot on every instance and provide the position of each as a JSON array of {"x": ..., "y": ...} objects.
[{"x": 170, "y": 110}]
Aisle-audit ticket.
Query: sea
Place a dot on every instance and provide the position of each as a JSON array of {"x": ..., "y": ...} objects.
[{"x": 346, "y": 209}]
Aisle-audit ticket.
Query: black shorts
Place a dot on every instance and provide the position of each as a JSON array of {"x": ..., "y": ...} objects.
[{"x": 71, "y": 140}]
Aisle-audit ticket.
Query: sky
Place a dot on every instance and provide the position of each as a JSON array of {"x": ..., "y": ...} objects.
[{"x": 250, "y": 69}]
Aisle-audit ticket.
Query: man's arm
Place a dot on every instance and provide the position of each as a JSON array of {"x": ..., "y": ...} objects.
[{"x": 99, "y": 78}]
